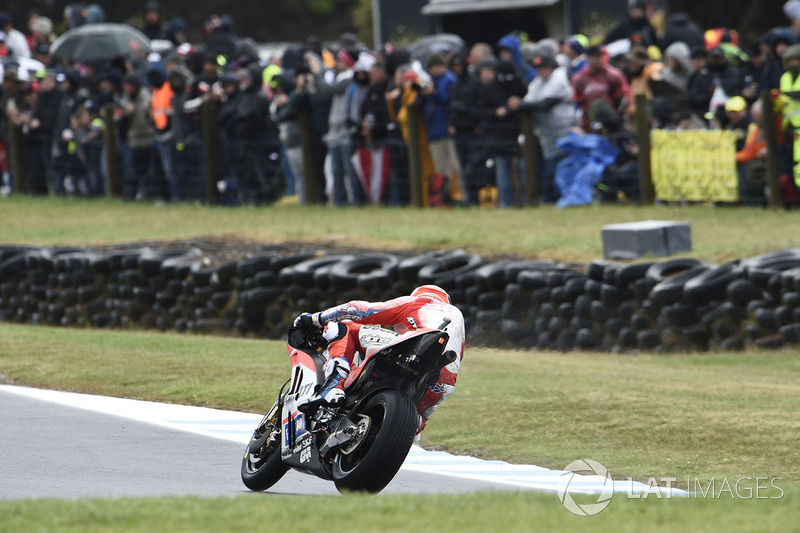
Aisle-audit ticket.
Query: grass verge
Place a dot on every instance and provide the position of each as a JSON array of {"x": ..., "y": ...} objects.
[
  {"x": 478, "y": 513},
  {"x": 719, "y": 234}
]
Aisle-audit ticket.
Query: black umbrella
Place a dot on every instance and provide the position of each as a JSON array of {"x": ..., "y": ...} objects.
[
  {"x": 99, "y": 41},
  {"x": 443, "y": 43}
]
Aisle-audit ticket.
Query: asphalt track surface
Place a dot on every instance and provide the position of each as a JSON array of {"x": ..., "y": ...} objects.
[{"x": 49, "y": 450}]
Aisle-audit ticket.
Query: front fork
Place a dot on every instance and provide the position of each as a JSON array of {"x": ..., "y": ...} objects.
[{"x": 271, "y": 418}]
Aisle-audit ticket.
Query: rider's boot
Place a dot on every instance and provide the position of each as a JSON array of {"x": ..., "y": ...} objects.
[{"x": 331, "y": 393}]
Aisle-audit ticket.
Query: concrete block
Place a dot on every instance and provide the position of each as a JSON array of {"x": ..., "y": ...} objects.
[{"x": 633, "y": 240}]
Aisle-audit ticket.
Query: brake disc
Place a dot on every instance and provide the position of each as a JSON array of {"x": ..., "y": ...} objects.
[{"x": 362, "y": 428}]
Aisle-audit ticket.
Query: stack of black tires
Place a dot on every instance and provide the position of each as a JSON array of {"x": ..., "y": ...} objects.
[{"x": 671, "y": 305}]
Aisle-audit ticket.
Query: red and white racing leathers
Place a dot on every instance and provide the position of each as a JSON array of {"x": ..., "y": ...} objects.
[{"x": 404, "y": 314}]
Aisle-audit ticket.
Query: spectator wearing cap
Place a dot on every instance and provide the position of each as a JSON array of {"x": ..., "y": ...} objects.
[
  {"x": 395, "y": 59},
  {"x": 285, "y": 109},
  {"x": 753, "y": 154},
  {"x": 773, "y": 69},
  {"x": 754, "y": 68},
  {"x": 135, "y": 106},
  {"x": 463, "y": 124},
  {"x": 436, "y": 111},
  {"x": 574, "y": 49},
  {"x": 735, "y": 55},
  {"x": 549, "y": 98},
  {"x": 500, "y": 128},
  {"x": 725, "y": 76},
  {"x": 248, "y": 127},
  {"x": 15, "y": 39},
  {"x": 220, "y": 37},
  {"x": 700, "y": 83},
  {"x": 73, "y": 15},
  {"x": 282, "y": 85},
  {"x": 41, "y": 32},
  {"x": 681, "y": 28},
  {"x": 738, "y": 119},
  {"x": 108, "y": 86},
  {"x": 270, "y": 78},
  {"x": 206, "y": 87},
  {"x": 41, "y": 53},
  {"x": 186, "y": 140},
  {"x": 94, "y": 14},
  {"x": 227, "y": 111},
  {"x": 175, "y": 32},
  {"x": 637, "y": 22},
  {"x": 41, "y": 129},
  {"x": 153, "y": 26},
  {"x": 321, "y": 100},
  {"x": 65, "y": 158},
  {"x": 122, "y": 123},
  {"x": 376, "y": 130},
  {"x": 641, "y": 69},
  {"x": 355, "y": 97},
  {"x": 599, "y": 81},
  {"x": 89, "y": 142},
  {"x": 162, "y": 113},
  {"x": 341, "y": 181},
  {"x": 740, "y": 123}
]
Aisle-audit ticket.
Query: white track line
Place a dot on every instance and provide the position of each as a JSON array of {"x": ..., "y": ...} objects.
[{"x": 238, "y": 427}]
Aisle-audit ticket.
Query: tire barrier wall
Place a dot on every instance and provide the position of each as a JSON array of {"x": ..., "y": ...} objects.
[{"x": 671, "y": 305}]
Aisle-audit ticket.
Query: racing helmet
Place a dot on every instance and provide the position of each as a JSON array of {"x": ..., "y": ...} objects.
[{"x": 432, "y": 291}]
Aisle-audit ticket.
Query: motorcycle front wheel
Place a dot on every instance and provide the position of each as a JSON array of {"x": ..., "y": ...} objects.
[
  {"x": 261, "y": 465},
  {"x": 388, "y": 422}
]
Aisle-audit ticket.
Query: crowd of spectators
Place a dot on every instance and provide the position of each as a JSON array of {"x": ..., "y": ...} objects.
[{"x": 356, "y": 103}]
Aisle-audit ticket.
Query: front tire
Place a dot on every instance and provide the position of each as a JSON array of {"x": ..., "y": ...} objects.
[
  {"x": 261, "y": 465},
  {"x": 373, "y": 463}
]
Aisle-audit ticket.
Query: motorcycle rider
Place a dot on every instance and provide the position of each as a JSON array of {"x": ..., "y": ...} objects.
[{"x": 347, "y": 330}]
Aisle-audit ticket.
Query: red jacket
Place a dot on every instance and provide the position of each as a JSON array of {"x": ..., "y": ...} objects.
[{"x": 607, "y": 83}]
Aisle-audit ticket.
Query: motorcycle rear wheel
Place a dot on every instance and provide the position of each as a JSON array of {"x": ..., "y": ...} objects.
[
  {"x": 374, "y": 462},
  {"x": 261, "y": 465}
]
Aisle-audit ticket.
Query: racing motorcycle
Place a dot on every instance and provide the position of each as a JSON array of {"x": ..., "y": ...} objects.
[{"x": 361, "y": 444}]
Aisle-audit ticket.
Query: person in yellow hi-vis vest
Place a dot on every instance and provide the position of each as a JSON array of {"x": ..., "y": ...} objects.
[{"x": 790, "y": 92}]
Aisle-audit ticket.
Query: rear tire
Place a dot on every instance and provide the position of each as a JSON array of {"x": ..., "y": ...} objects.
[
  {"x": 375, "y": 461},
  {"x": 261, "y": 465}
]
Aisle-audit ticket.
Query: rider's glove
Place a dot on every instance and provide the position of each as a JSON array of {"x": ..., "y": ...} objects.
[{"x": 307, "y": 320}]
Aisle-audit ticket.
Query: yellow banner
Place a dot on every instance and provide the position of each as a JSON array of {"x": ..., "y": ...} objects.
[{"x": 698, "y": 166}]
